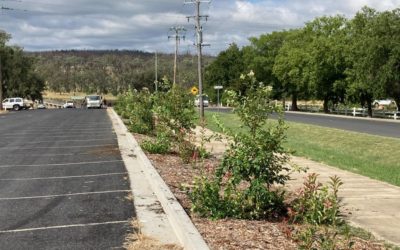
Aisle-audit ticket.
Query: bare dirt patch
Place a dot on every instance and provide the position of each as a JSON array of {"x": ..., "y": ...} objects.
[{"x": 105, "y": 151}]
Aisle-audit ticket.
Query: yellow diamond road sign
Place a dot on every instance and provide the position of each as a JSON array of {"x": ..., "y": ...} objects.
[{"x": 194, "y": 90}]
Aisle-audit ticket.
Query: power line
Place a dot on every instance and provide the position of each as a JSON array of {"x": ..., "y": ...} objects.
[
  {"x": 177, "y": 36},
  {"x": 199, "y": 44}
]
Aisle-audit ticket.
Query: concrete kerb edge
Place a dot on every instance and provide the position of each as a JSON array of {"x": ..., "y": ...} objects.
[
  {"x": 182, "y": 225},
  {"x": 345, "y": 117}
]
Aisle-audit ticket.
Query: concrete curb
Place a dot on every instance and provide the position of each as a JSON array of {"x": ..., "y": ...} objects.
[
  {"x": 185, "y": 231},
  {"x": 344, "y": 117}
]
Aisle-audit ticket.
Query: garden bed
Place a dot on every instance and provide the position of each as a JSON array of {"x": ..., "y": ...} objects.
[{"x": 230, "y": 233}]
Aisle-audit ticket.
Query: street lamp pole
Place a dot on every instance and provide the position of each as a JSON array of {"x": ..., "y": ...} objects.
[{"x": 218, "y": 87}]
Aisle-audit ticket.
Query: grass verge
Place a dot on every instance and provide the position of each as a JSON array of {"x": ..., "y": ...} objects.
[{"x": 373, "y": 156}]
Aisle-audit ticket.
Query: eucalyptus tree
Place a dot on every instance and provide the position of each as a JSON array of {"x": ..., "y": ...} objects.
[
  {"x": 375, "y": 56},
  {"x": 260, "y": 57},
  {"x": 17, "y": 74},
  {"x": 326, "y": 63},
  {"x": 226, "y": 69},
  {"x": 291, "y": 65}
]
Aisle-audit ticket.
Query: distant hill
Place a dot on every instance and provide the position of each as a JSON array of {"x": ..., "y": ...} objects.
[{"x": 111, "y": 71}]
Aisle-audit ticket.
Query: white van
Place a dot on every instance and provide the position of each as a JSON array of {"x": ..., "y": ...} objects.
[
  {"x": 94, "y": 101},
  {"x": 197, "y": 101}
]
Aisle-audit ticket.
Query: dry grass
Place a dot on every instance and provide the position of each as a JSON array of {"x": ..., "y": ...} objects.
[
  {"x": 139, "y": 241},
  {"x": 67, "y": 96}
]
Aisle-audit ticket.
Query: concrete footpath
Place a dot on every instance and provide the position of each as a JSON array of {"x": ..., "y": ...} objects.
[{"x": 369, "y": 204}]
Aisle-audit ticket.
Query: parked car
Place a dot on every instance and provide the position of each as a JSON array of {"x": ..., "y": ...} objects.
[
  {"x": 15, "y": 103},
  {"x": 386, "y": 104},
  {"x": 41, "y": 106},
  {"x": 94, "y": 101},
  {"x": 205, "y": 101},
  {"x": 69, "y": 104}
]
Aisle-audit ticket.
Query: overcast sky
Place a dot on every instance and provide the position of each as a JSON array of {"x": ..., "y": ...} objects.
[{"x": 144, "y": 24}]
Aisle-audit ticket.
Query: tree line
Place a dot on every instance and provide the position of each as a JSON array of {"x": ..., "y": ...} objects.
[
  {"x": 111, "y": 71},
  {"x": 331, "y": 58},
  {"x": 18, "y": 75}
]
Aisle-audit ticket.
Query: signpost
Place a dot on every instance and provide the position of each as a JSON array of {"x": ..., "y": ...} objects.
[{"x": 218, "y": 87}]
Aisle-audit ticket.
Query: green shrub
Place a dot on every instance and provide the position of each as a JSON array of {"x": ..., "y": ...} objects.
[
  {"x": 316, "y": 204},
  {"x": 161, "y": 144},
  {"x": 175, "y": 112},
  {"x": 137, "y": 108},
  {"x": 243, "y": 185}
]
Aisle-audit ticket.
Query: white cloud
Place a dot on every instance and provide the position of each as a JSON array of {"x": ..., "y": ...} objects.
[{"x": 144, "y": 24}]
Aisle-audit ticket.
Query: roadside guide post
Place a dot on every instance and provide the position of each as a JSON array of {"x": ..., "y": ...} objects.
[{"x": 218, "y": 87}]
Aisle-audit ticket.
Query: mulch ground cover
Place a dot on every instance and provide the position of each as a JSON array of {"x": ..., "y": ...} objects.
[{"x": 228, "y": 233}]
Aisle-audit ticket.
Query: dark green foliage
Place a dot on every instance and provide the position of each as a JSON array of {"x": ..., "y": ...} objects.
[
  {"x": 333, "y": 59},
  {"x": 224, "y": 71},
  {"x": 18, "y": 74}
]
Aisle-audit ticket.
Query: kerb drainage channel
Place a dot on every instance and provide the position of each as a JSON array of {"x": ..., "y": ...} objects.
[{"x": 63, "y": 184}]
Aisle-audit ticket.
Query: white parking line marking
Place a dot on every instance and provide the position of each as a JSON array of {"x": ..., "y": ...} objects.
[
  {"x": 63, "y": 177},
  {"x": 67, "y": 130},
  {"x": 64, "y": 226},
  {"x": 61, "y": 195},
  {"x": 68, "y": 154},
  {"x": 59, "y": 141},
  {"x": 58, "y": 147},
  {"x": 53, "y": 135},
  {"x": 50, "y": 136},
  {"x": 61, "y": 164}
]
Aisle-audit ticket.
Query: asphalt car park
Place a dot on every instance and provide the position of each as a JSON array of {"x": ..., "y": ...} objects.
[{"x": 63, "y": 184}]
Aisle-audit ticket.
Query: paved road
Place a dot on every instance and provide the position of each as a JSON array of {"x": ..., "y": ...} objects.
[
  {"x": 63, "y": 184},
  {"x": 364, "y": 125}
]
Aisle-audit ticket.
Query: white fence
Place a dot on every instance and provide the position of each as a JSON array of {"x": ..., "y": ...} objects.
[{"x": 361, "y": 112}]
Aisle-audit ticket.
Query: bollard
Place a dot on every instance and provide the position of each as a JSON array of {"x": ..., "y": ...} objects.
[{"x": 354, "y": 111}]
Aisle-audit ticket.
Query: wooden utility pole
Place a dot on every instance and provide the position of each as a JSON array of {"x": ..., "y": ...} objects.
[
  {"x": 1, "y": 86},
  {"x": 199, "y": 44},
  {"x": 156, "y": 72},
  {"x": 177, "y": 36}
]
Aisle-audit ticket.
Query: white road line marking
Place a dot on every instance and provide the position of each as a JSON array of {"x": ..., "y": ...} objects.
[
  {"x": 58, "y": 147},
  {"x": 61, "y": 164},
  {"x": 63, "y": 177},
  {"x": 61, "y": 195},
  {"x": 64, "y": 226}
]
